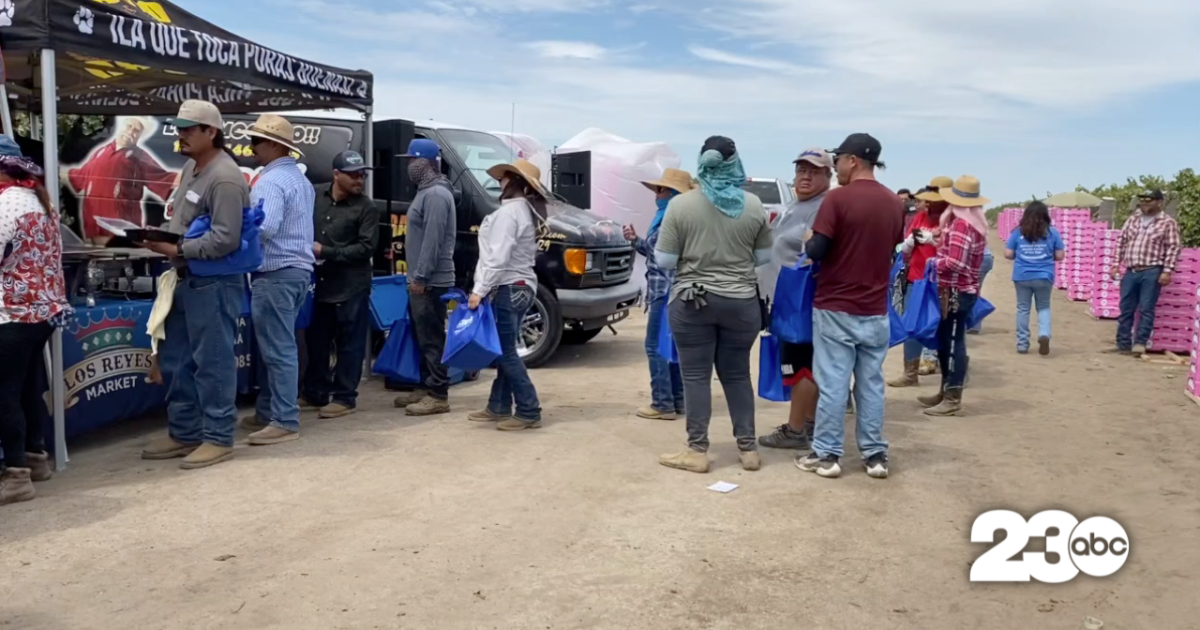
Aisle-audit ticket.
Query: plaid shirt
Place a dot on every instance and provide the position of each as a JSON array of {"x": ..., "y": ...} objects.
[
  {"x": 658, "y": 280},
  {"x": 959, "y": 257},
  {"x": 1156, "y": 244}
]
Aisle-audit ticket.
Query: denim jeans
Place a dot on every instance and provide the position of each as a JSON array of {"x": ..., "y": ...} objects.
[
  {"x": 952, "y": 342},
  {"x": 512, "y": 385},
  {"x": 197, "y": 360},
  {"x": 912, "y": 347},
  {"x": 1139, "y": 293},
  {"x": 666, "y": 382},
  {"x": 1027, "y": 292},
  {"x": 984, "y": 270},
  {"x": 429, "y": 323},
  {"x": 720, "y": 333},
  {"x": 342, "y": 325},
  {"x": 847, "y": 345},
  {"x": 276, "y": 300}
]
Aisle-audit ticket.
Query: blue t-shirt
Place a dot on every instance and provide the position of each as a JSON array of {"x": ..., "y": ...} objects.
[{"x": 1034, "y": 261}]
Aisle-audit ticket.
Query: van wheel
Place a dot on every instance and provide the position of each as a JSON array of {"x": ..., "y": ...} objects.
[
  {"x": 541, "y": 330},
  {"x": 577, "y": 337}
]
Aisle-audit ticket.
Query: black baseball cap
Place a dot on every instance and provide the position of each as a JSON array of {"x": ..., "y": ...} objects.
[
  {"x": 720, "y": 144},
  {"x": 350, "y": 162},
  {"x": 1152, "y": 195},
  {"x": 860, "y": 145},
  {"x": 904, "y": 191}
]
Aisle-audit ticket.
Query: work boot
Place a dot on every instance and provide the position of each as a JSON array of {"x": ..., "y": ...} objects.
[
  {"x": 1139, "y": 349},
  {"x": 951, "y": 405},
  {"x": 751, "y": 460},
  {"x": 253, "y": 423},
  {"x": 334, "y": 410},
  {"x": 486, "y": 416},
  {"x": 206, "y": 455},
  {"x": 517, "y": 424},
  {"x": 16, "y": 486},
  {"x": 40, "y": 465},
  {"x": 650, "y": 413},
  {"x": 166, "y": 447},
  {"x": 410, "y": 398},
  {"x": 272, "y": 435},
  {"x": 911, "y": 376},
  {"x": 429, "y": 406},
  {"x": 690, "y": 460},
  {"x": 928, "y": 366},
  {"x": 932, "y": 400}
]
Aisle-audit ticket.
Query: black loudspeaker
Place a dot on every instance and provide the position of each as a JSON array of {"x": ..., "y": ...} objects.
[
  {"x": 392, "y": 138},
  {"x": 571, "y": 178}
]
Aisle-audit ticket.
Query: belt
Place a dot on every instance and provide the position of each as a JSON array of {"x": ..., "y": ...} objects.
[{"x": 1147, "y": 268}]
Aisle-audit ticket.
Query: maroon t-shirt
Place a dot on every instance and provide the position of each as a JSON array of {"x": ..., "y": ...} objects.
[{"x": 865, "y": 221}]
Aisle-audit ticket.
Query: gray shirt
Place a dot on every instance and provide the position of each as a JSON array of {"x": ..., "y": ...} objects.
[
  {"x": 791, "y": 227},
  {"x": 429, "y": 237},
  {"x": 219, "y": 190}
]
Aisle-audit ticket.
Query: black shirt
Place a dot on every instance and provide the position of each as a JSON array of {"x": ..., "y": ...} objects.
[{"x": 348, "y": 231}]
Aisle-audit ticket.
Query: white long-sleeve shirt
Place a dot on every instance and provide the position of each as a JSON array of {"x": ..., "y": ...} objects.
[{"x": 507, "y": 248}]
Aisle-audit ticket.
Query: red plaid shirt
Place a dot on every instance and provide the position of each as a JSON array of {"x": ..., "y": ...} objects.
[
  {"x": 1156, "y": 244},
  {"x": 959, "y": 257}
]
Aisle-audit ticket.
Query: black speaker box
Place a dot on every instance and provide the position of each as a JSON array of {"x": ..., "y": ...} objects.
[
  {"x": 392, "y": 138},
  {"x": 571, "y": 178}
]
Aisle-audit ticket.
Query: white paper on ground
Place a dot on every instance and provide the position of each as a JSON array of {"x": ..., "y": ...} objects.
[
  {"x": 116, "y": 226},
  {"x": 723, "y": 487}
]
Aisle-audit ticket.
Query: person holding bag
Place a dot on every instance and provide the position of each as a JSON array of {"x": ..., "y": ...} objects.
[
  {"x": 504, "y": 274},
  {"x": 666, "y": 383}
]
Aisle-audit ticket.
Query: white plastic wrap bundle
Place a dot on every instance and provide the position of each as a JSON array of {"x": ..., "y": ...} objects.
[{"x": 529, "y": 148}]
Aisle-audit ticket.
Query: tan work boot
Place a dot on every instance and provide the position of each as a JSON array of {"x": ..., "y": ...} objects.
[
  {"x": 252, "y": 423},
  {"x": 932, "y": 400},
  {"x": 690, "y": 460},
  {"x": 272, "y": 435},
  {"x": 516, "y": 424},
  {"x": 928, "y": 366},
  {"x": 951, "y": 405},
  {"x": 410, "y": 398},
  {"x": 206, "y": 455},
  {"x": 428, "y": 406},
  {"x": 16, "y": 486},
  {"x": 1139, "y": 350},
  {"x": 485, "y": 416},
  {"x": 650, "y": 413},
  {"x": 166, "y": 447},
  {"x": 334, "y": 410},
  {"x": 751, "y": 460},
  {"x": 911, "y": 376},
  {"x": 41, "y": 467}
]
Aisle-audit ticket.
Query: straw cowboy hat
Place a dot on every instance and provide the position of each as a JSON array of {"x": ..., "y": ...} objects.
[
  {"x": 673, "y": 178},
  {"x": 520, "y": 168},
  {"x": 964, "y": 193},
  {"x": 275, "y": 128},
  {"x": 931, "y": 191}
]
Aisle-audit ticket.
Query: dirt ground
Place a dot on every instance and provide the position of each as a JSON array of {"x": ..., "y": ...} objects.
[{"x": 383, "y": 521}]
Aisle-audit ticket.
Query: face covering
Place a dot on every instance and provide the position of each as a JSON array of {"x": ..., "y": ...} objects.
[
  {"x": 721, "y": 182},
  {"x": 662, "y": 211},
  {"x": 422, "y": 173}
]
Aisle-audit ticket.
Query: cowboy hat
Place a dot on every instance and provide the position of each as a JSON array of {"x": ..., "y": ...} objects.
[
  {"x": 964, "y": 193},
  {"x": 673, "y": 178},
  {"x": 520, "y": 168},
  {"x": 930, "y": 192},
  {"x": 275, "y": 128}
]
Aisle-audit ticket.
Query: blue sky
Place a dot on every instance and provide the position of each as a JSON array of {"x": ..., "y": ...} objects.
[{"x": 1031, "y": 96}]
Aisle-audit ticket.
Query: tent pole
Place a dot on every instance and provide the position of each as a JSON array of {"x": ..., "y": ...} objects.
[
  {"x": 50, "y": 142},
  {"x": 6, "y": 114},
  {"x": 369, "y": 149}
]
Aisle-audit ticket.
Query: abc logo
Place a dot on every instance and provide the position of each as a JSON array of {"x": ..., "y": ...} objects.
[{"x": 1099, "y": 547}]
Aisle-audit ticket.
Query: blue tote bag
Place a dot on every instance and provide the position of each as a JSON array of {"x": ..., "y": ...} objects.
[
  {"x": 666, "y": 341},
  {"x": 924, "y": 312},
  {"x": 304, "y": 315},
  {"x": 400, "y": 358},
  {"x": 896, "y": 332},
  {"x": 770, "y": 370},
  {"x": 472, "y": 342},
  {"x": 982, "y": 309},
  {"x": 792, "y": 308}
]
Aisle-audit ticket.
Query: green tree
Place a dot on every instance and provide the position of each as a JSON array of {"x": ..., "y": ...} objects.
[
  {"x": 1183, "y": 192},
  {"x": 67, "y": 124}
]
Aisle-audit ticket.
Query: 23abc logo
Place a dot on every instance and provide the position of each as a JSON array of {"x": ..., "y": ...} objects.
[{"x": 1098, "y": 547}]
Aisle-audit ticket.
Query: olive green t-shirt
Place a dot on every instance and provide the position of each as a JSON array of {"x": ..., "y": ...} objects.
[{"x": 715, "y": 251}]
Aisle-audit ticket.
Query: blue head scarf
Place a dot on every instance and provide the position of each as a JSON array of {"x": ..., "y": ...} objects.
[
  {"x": 662, "y": 210},
  {"x": 721, "y": 180}
]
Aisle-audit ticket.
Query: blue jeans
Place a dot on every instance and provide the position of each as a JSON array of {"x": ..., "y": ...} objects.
[
  {"x": 1139, "y": 293},
  {"x": 277, "y": 298},
  {"x": 512, "y": 384},
  {"x": 952, "y": 342},
  {"x": 912, "y": 347},
  {"x": 845, "y": 345},
  {"x": 197, "y": 360},
  {"x": 984, "y": 269},
  {"x": 666, "y": 382},
  {"x": 1027, "y": 292}
]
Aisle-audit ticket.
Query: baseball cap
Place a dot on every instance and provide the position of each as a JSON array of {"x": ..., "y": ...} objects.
[
  {"x": 350, "y": 162},
  {"x": 1153, "y": 195},
  {"x": 860, "y": 145},
  {"x": 816, "y": 157},
  {"x": 720, "y": 144},
  {"x": 193, "y": 112},
  {"x": 423, "y": 148}
]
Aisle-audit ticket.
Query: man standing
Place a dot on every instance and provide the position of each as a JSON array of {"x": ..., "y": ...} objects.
[
  {"x": 854, "y": 238},
  {"x": 429, "y": 251},
  {"x": 197, "y": 358},
  {"x": 280, "y": 286},
  {"x": 814, "y": 170},
  {"x": 347, "y": 231},
  {"x": 1149, "y": 249}
]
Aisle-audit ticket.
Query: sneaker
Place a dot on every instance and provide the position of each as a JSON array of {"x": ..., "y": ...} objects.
[
  {"x": 253, "y": 423},
  {"x": 41, "y": 467},
  {"x": 751, "y": 460},
  {"x": 166, "y": 447},
  {"x": 16, "y": 486},
  {"x": 429, "y": 406},
  {"x": 486, "y": 416},
  {"x": 785, "y": 437},
  {"x": 1022, "y": 350},
  {"x": 517, "y": 424},
  {"x": 650, "y": 413},
  {"x": 409, "y": 398},
  {"x": 1044, "y": 346},
  {"x": 206, "y": 455},
  {"x": 690, "y": 460},
  {"x": 827, "y": 466},
  {"x": 877, "y": 466},
  {"x": 335, "y": 410},
  {"x": 273, "y": 435},
  {"x": 1139, "y": 349}
]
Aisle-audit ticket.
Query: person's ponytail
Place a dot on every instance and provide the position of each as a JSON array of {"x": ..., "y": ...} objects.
[{"x": 43, "y": 196}]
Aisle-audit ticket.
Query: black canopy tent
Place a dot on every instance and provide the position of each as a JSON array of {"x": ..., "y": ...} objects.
[{"x": 147, "y": 57}]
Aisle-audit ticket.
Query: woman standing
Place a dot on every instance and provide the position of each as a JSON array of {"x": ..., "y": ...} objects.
[
  {"x": 959, "y": 257},
  {"x": 32, "y": 300},
  {"x": 504, "y": 274},
  {"x": 1034, "y": 247},
  {"x": 666, "y": 383},
  {"x": 714, "y": 238}
]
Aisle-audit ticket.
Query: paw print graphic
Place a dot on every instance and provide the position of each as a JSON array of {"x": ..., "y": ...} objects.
[
  {"x": 84, "y": 19},
  {"x": 7, "y": 10}
]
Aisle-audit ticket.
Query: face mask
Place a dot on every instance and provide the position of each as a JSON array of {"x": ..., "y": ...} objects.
[{"x": 662, "y": 204}]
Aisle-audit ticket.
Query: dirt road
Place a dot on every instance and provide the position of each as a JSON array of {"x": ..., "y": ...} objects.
[{"x": 383, "y": 521}]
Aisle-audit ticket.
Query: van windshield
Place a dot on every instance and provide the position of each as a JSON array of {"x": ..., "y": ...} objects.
[{"x": 479, "y": 151}]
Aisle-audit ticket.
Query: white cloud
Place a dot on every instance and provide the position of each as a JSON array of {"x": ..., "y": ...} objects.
[
  {"x": 568, "y": 50},
  {"x": 760, "y": 63}
]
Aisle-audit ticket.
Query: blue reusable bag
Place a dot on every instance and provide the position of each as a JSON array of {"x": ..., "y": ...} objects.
[
  {"x": 472, "y": 341},
  {"x": 304, "y": 315},
  {"x": 982, "y": 309},
  {"x": 924, "y": 312},
  {"x": 247, "y": 258},
  {"x": 896, "y": 332},
  {"x": 666, "y": 341},
  {"x": 400, "y": 358},
  {"x": 792, "y": 306},
  {"x": 770, "y": 370}
]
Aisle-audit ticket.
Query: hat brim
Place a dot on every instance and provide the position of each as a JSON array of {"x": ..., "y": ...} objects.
[
  {"x": 354, "y": 169},
  {"x": 498, "y": 171},
  {"x": 662, "y": 183},
  {"x": 183, "y": 123},
  {"x": 273, "y": 138},
  {"x": 930, "y": 195},
  {"x": 814, "y": 161},
  {"x": 1150, "y": 197},
  {"x": 953, "y": 198}
]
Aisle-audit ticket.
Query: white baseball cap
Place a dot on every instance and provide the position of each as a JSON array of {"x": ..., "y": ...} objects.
[
  {"x": 194, "y": 112},
  {"x": 817, "y": 157}
]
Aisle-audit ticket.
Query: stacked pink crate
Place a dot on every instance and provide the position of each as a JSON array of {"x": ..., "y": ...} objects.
[
  {"x": 1009, "y": 220},
  {"x": 1175, "y": 313},
  {"x": 1106, "y": 292},
  {"x": 1192, "y": 388},
  {"x": 1081, "y": 245}
]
